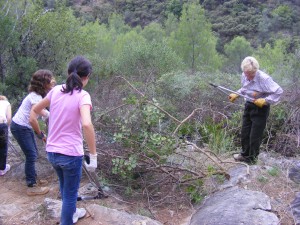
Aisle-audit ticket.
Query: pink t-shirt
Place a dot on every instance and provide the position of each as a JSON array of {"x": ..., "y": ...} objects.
[{"x": 65, "y": 129}]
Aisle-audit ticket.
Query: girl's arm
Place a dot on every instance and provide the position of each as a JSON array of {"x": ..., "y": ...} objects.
[
  {"x": 88, "y": 128},
  {"x": 89, "y": 133},
  {"x": 36, "y": 110}
]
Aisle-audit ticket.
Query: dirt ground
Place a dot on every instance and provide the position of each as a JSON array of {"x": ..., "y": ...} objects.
[
  {"x": 24, "y": 209},
  {"x": 17, "y": 208},
  {"x": 30, "y": 210}
]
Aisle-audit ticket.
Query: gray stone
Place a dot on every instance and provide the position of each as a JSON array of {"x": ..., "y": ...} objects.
[
  {"x": 238, "y": 175},
  {"x": 294, "y": 173},
  {"x": 276, "y": 160},
  {"x": 9, "y": 210},
  {"x": 109, "y": 216},
  {"x": 235, "y": 206},
  {"x": 98, "y": 213},
  {"x": 53, "y": 208},
  {"x": 295, "y": 207}
]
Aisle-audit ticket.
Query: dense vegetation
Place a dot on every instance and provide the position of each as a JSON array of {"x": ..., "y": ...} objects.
[
  {"x": 259, "y": 21},
  {"x": 152, "y": 64}
]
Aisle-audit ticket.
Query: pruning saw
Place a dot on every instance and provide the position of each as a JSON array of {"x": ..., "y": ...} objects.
[{"x": 226, "y": 90}]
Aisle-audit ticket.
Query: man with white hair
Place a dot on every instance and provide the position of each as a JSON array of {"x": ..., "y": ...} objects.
[{"x": 262, "y": 91}]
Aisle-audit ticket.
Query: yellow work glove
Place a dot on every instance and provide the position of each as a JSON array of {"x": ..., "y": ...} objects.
[
  {"x": 260, "y": 102},
  {"x": 232, "y": 97}
]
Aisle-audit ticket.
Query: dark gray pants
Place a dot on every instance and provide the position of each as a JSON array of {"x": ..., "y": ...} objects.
[
  {"x": 254, "y": 123},
  {"x": 3, "y": 145}
]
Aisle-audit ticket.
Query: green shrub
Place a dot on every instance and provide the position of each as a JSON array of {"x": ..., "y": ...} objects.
[
  {"x": 274, "y": 171},
  {"x": 217, "y": 137}
]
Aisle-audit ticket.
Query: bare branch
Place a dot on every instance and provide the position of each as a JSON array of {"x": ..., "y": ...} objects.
[
  {"x": 140, "y": 93},
  {"x": 183, "y": 121},
  {"x": 7, "y": 11},
  {"x": 208, "y": 155},
  {"x": 164, "y": 111},
  {"x": 111, "y": 110}
]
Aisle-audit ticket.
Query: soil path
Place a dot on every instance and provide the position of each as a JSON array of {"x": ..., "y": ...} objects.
[{"x": 17, "y": 208}]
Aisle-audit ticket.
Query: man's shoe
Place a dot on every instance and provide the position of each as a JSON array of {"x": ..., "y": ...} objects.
[
  {"x": 36, "y": 190},
  {"x": 7, "y": 168},
  {"x": 79, "y": 213},
  {"x": 239, "y": 157}
]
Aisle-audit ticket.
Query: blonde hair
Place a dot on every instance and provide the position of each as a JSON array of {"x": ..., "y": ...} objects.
[
  {"x": 249, "y": 64},
  {"x": 2, "y": 97}
]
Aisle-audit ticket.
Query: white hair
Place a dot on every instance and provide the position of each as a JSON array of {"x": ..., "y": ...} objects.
[{"x": 249, "y": 64}]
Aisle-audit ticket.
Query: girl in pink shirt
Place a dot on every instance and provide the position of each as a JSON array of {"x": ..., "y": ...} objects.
[{"x": 70, "y": 108}]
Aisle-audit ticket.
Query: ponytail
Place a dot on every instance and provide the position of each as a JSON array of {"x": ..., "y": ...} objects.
[
  {"x": 73, "y": 82},
  {"x": 78, "y": 68}
]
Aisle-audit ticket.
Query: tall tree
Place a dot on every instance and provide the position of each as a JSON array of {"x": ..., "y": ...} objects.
[
  {"x": 194, "y": 40},
  {"x": 272, "y": 58},
  {"x": 170, "y": 24},
  {"x": 153, "y": 32},
  {"x": 235, "y": 52},
  {"x": 15, "y": 66},
  {"x": 7, "y": 40}
]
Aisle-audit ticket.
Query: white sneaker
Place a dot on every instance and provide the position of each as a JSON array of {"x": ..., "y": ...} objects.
[
  {"x": 7, "y": 168},
  {"x": 79, "y": 213}
]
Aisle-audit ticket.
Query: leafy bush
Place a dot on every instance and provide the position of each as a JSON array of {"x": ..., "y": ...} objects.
[
  {"x": 217, "y": 137},
  {"x": 141, "y": 59}
]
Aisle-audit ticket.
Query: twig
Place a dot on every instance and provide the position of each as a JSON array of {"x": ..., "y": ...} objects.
[
  {"x": 120, "y": 106},
  {"x": 183, "y": 121},
  {"x": 140, "y": 93},
  {"x": 204, "y": 152},
  {"x": 164, "y": 111}
]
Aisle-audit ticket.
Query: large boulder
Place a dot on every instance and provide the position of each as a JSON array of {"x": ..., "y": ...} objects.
[{"x": 235, "y": 206}]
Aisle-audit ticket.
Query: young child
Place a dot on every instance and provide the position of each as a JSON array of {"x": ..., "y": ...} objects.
[
  {"x": 41, "y": 83},
  {"x": 70, "y": 108}
]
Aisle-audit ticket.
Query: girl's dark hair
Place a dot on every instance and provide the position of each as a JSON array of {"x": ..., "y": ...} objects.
[
  {"x": 39, "y": 82},
  {"x": 78, "y": 67}
]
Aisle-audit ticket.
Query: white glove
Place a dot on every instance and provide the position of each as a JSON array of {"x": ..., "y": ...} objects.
[{"x": 91, "y": 167}]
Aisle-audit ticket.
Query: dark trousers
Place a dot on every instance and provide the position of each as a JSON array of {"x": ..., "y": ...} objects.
[
  {"x": 3, "y": 145},
  {"x": 254, "y": 123}
]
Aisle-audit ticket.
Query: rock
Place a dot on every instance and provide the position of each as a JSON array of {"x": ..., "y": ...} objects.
[
  {"x": 109, "y": 216},
  {"x": 276, "y": 160},
  {"x": 98, "y": 213},
  {"x": 9, "y": 210},
  {"x": 295, "y": 207},
  {"x": 294, "y": 173},
  {"x": 53, "y": 208},
  {"x": 238, "y": 175},
  {"x": 235, "y": 206}
]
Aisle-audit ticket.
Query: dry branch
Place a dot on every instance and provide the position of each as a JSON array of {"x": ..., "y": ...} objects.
[
  {"x": 186, "y": 119},
  {"x": 176, "y": 173},
  {"x": 208, "y": 155}
]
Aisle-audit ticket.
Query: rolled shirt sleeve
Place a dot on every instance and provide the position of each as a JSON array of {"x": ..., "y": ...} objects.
[{"x": 273, "y": 91}]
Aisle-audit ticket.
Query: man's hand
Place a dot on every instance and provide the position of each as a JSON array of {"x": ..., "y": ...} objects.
[
  {"x": 91, "y": 167},
  {"x": 232, "y": 97},
  {"x": 260, "y": 102}
]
